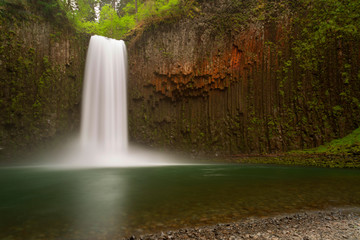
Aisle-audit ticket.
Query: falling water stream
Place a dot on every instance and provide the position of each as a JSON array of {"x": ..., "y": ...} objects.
[
  {"x": 104, "y": 128},
  {"x": 104, "y": 108}
]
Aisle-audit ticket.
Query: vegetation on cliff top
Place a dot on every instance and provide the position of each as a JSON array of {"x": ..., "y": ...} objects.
[
  {"x": 23, "y": 9},
  {"x": 109, "y": 18},
  {"x": 116, "y": 18}
]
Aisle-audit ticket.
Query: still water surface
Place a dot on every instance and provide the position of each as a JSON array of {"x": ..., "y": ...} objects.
[{"x": 38, "y": 203}]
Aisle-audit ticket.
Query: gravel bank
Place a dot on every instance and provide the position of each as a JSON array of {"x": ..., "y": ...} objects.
[{"x": 331, "y": 224}]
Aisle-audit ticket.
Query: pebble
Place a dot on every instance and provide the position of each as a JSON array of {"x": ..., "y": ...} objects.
[{"x": 332, "y": 225}]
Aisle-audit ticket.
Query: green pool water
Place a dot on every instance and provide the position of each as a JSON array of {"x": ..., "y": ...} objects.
[{"x": 39, "y": 203}]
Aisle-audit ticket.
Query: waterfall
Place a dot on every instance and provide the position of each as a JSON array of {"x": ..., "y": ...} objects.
[
  {"x": 104, "y": 128},
  {"x": 104, "y": 106}
]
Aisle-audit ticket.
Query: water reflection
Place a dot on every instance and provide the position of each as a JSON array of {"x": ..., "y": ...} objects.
[
  {"x": 115, "y": 202},
  {"x": 99, "y": 201},
  {"x": 71, "y": 204}
]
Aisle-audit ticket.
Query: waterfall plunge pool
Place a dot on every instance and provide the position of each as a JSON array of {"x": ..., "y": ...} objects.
[
  {"x": 97, "y": 202},
  {"x": 107, "y": 203}
]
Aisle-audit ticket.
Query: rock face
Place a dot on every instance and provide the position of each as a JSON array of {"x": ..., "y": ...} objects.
[
  {"x": 230, "y": 80},
  {"x": 41, "y": 70}
]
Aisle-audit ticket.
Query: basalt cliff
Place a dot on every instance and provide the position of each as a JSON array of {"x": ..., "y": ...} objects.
[
  {"x": 42, "y": 61},
  {"x": 230, "y": 77},
  {"x": 241, "y": 77}
]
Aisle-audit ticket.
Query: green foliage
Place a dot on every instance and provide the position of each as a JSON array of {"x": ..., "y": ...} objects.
[
  {"x": 349, "y": 145},
  {"x": 111, "y": 25},
  {"x": 265, "y": 10},
  {"x": 325, "y": 22},
  {"x": 318, "y": 79},
  {"x": 49, "y": 9},
  {"x": 116, "y": 23}
]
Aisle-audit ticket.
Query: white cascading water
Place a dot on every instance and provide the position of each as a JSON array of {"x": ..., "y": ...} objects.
[
  {"x": 104, "y": 128},
  {"x": 104, "y": 107}
]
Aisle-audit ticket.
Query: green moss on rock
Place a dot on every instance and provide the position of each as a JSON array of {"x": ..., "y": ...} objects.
[{"x": 40, "y": 79}]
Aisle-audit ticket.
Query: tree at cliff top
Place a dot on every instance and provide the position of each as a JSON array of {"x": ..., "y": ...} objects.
[
  {"x": 23, "y": 8},
  {"x": 116, "y": 18}
]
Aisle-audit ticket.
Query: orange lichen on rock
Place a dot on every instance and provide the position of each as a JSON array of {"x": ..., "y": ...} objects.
[{"x": 217, "y": 71}]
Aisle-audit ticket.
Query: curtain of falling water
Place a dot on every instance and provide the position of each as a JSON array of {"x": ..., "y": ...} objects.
[{"x": 104, "y": 107}]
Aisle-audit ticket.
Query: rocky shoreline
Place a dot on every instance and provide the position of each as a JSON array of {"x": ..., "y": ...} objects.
[{"x": 313, "y": 225}]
